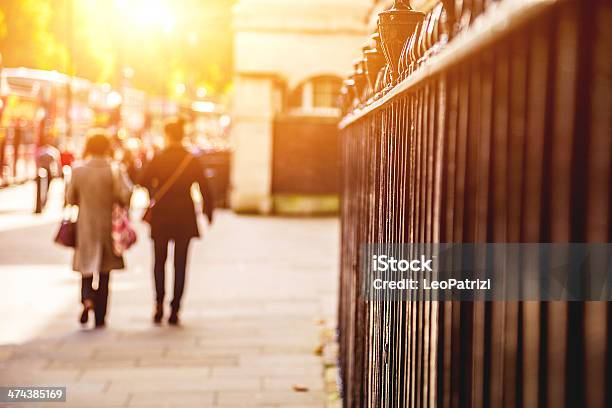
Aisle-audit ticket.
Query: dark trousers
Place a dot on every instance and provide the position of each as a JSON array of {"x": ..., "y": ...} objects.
[
  {"x": 181, "y": 246},
  {"x": 42, "y": 189},
  {"x": 98, "y": 296}
]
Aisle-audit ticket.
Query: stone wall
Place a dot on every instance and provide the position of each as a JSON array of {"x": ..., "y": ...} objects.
[{"x": 278, "y": 45}]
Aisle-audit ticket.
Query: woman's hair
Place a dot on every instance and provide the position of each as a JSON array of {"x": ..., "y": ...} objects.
[
  {"x": 174, "y": 129},
  {"x": 98, "y": 143}
]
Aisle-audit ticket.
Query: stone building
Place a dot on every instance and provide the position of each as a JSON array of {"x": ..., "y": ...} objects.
[{"x": 289, "y": 59}]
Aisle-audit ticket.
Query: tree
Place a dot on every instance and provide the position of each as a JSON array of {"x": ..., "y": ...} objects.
[{"x": 95, "y": 40}]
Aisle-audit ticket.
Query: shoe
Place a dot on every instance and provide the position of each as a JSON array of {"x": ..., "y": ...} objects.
[
  {"x": 87, "y": 306},
  {"x": 159, "y": 313},
  {"x": 100, "y": 325},
  {"x": 173, "y": 320}
]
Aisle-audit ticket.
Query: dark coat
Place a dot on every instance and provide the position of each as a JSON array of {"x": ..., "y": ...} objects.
[{"x": 174, "y": 215}]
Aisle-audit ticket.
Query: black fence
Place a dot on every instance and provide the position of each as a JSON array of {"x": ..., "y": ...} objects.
[{"x": 496, "y": 126}]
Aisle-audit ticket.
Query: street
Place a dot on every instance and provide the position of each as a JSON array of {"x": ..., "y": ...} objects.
[{"x": 258, "y": 290}]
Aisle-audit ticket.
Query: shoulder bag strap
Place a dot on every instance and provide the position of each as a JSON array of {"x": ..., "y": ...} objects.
[
  {"x": 172, "y": 179},
  {"x": 116, "y": 174}
]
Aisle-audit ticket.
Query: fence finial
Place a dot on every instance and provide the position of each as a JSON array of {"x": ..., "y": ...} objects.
[{"x": 395, "y": 27}]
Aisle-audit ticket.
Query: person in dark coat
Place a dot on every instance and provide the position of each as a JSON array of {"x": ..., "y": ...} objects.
[
  {"x": 48, "y": 167},
  {"x": 173, "y": 215}
]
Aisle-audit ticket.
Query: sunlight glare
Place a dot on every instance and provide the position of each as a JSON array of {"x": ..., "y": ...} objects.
[{"x": 147, "y": 13}]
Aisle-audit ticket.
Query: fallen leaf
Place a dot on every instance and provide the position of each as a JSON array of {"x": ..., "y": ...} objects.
[{"x": 299, "y": 388}]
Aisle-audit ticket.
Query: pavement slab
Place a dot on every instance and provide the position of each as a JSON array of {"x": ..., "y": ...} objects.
[{"x": 257, "y": 291}]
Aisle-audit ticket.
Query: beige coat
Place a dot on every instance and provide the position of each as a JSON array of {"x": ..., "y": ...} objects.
[{"x": 94, "y": 187}]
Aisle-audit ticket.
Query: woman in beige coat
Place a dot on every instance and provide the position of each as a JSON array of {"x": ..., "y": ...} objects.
[{"x": 96, "y": 184}]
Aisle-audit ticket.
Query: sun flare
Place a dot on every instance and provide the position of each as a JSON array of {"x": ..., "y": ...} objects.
[{"x": 147, "y": 14}]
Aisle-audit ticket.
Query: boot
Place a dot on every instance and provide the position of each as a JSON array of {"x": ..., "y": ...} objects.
[
  {"x": 173, "y": 320},
  {"x": 87, "y": 306},
  {"x": 159, "y": 313}
]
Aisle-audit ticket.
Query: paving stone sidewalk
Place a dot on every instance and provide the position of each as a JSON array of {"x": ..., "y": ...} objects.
[{"x": 258, "y": 288}]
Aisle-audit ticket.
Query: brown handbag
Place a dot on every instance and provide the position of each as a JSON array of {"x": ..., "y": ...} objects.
[
  {"x": 148, "y": 214},
  {"x": 66, "y": 234}
]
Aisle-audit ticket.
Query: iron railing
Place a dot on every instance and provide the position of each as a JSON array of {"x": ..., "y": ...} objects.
[{"x": 497, "y": 128}]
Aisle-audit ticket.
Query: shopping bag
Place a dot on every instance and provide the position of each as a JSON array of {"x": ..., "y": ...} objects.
[{"x": 123, "y": 233}]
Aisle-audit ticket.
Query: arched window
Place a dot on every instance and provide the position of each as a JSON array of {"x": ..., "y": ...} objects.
[{"x": 316, "y": 96}]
